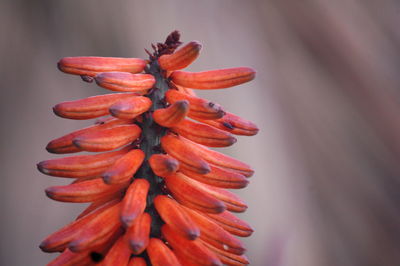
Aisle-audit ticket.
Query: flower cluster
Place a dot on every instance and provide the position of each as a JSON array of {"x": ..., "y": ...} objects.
[{"x": 157, "y": 193}]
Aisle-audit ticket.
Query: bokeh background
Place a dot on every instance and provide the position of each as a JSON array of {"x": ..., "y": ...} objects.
[{"x": 326, "y": 98}]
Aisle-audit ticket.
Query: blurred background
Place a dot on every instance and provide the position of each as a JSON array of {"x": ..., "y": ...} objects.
[{"x": 326, "y": 99}]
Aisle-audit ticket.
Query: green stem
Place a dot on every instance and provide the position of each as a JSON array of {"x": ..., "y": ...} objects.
[{"x": 150, "y": 144}]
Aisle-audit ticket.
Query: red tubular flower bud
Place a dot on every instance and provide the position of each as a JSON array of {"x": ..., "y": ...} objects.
[
  {"x": 103, "y": 224},
  {"x": 123, "y": 169},
  {"x": 204, "y": 134},
  {"x": 176, "y": 147},
  {"x": 226, "y": 257},
  {"x": 191, "y": 249},
  {"x": 85, "y": 191},
  {"x": 64, "y": 144},
  {"x": 219, "y": 159},
  {"x": 95, "y": 205},
  {"x": 231, "y": 223},
  {"x": 91, "y": 65},
  {"x": 181, "y": 58},
  {"x": 88, "y": 108},
  {"x": 173, "y": 215},
  {"x": 173, "y": 115},
  {"x": 102, "y": 246},
  {"x": 59, "y": 240},
  {"x": 214, "y": 79},
  {"x": 199, "y": 108},
  {"x": 81, "y": 165},
  {"x": 233, "y": 203},
  {"x": 107, "y": 139},
  {"x": 130, "y": 108},
  {"x": 163, "y": 165},
  {"x": 233, "y": 124},
  {"x": 69, "y": 258},
  {"x": 187, "y": 193},
  {"x": 134, "y": 201},
  {"x": 218, "y": 177},
  {"x": 138, "y": 234},
  {"x": 216, "y": 234},
  {"x": 126, "y": 82},
  {"x": 160, "y": 254}
]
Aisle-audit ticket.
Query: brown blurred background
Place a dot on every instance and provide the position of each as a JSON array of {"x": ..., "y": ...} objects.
[{"x": 326, "y": 98}]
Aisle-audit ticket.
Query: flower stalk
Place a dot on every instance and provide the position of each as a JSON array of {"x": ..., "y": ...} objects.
[{"x": 157, "y": 193}]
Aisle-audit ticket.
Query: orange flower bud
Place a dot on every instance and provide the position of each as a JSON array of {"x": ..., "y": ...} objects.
[
  {"x": 199, "y": 108},
  {"x": 138, "y": 234},
  {"x": 163, "y": 165},
  {"x": 231, "y": 223},
  {"x": 218, "y": 177},
  {"x": 105, "y": 243},
  {"x": 227, "y": 257},
  {"x": 214, "y": 234},
  {"x": 91, "y": 65},
  {"x": 173, "y": 115},
  {"x": 187, "y": 193},
  {"x": 160, "y": 254},
  {"x": 64, "y": 144},
  {"x": 126, "y": 82},
  {"x": 219, "y": 159},
  {"x": 214, "y": 79},
  {"x": 134, "y": 201},
  {"x": 204, "y": 134},
  {"x": 173, "y": 215},
  {"x": 85, "y": 191},
  {"x": 123, "y": 169},
  {"x": 59, "y": 240},
  {"x": 81, "y": 165},
  {"x": 96, "y": 204},
  {"x": 181, "y": 58},
  {"x": 233, "y": 124},
  {"x": 88, "y": 108},
  {"x": 69, "y": 258},
  {"x": 105, "y": 223},
  {"x": 233, "y": 203},
  {"x": 107, "y": 139},
  {"x": 130, "y": 108},
  {"x": 191, "y": 249},
  {"x": 176, "y": 147}
]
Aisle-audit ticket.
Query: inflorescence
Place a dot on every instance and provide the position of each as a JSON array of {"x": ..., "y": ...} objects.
[{"x": 157, "y": 193}]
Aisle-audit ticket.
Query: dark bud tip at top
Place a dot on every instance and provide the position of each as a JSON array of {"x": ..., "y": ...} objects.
[
  {"x": 136, "y": 246},
  {"x": 87, "y": 79},
  {"x": 40, "y": 167},
  {"x": 107, "y": 178},
  {"x": 50, "y": 192}
]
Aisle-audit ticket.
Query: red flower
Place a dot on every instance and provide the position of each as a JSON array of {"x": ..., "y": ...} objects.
[{"x": 157, "y": 192}]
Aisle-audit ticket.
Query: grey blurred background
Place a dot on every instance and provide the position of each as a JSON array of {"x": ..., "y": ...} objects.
[{"x": 326, "y": 98}]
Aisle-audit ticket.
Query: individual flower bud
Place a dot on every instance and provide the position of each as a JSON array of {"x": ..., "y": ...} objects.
[
  {"x": 91, "y": 65},
  {"x": 172, "y": 115},
  {"x": 125, "y": 82},
  {"x": 213, "y": 79},
  {"x": 181, "y": 58}
]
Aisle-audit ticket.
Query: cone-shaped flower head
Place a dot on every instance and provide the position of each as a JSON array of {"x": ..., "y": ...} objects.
[{"x": 156, "y": 192}]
